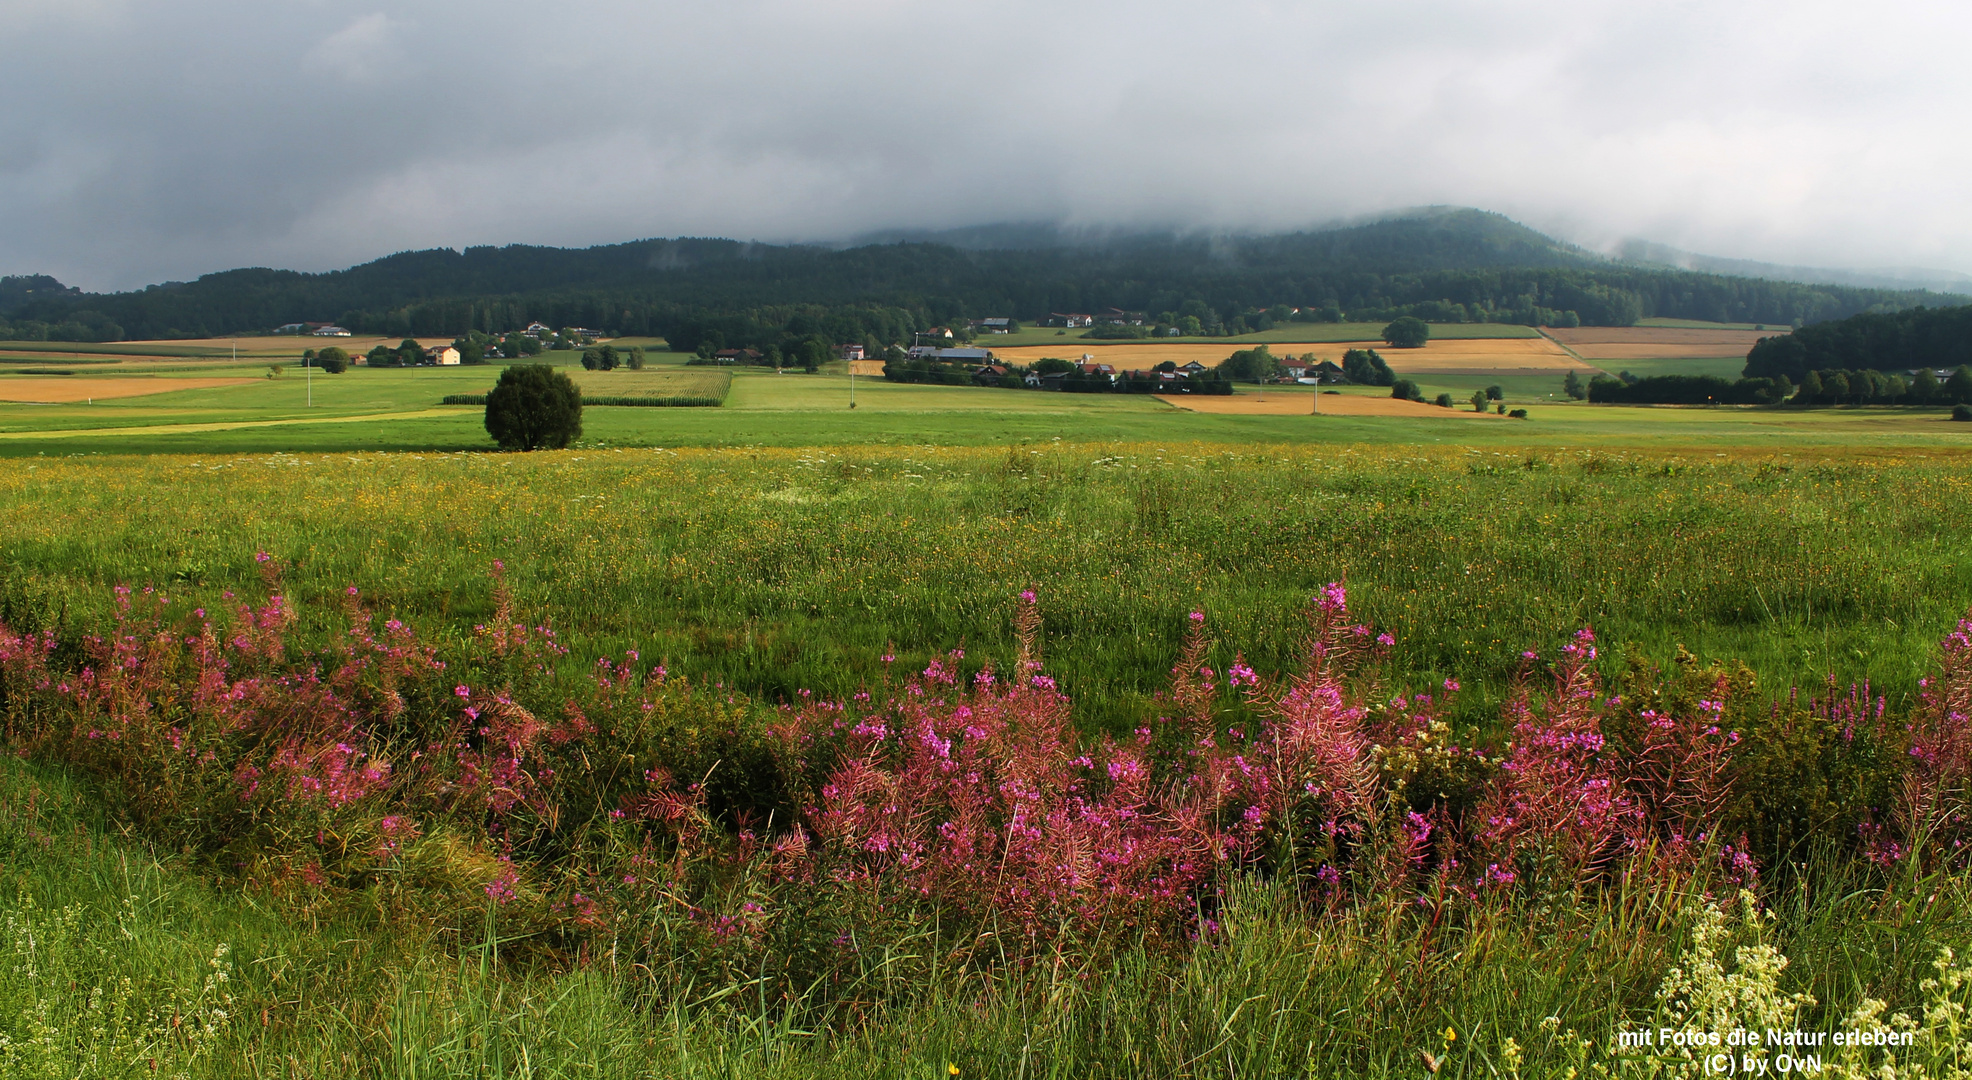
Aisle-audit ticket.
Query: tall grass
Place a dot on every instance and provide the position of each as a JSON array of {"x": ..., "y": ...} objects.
[
  {"x": 414, "y": 870},
  {"x": 777, "y": 570}
]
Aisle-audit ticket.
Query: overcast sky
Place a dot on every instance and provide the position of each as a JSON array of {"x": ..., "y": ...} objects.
[{"x": 142, "y": 141}]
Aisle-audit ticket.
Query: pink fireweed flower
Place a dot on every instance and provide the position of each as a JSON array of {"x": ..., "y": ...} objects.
[
  {"x": 1451, "y": 685},
  {"x": 462, "y": 691},
  {"x": 1027, "y": 596},
  {"x": 1197, "y": 616},
  {"x": 261, "y": 557}
]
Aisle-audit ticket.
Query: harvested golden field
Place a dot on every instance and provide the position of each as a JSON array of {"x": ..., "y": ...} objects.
[
  {"x": 63, "y": 389},
  {"x": 1299, "y": 404},
  {"x": 1654, "y": 342},
  {"x": 1447, "y": 357}
]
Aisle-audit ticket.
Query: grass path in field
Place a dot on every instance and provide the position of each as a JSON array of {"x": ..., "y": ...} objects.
[{"x": 231, "y": 425}]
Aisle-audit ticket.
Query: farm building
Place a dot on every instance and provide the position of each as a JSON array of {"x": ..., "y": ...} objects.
[
  {"x": 850, "y": 352},
  {"x": 331, "y": 331},
  {"x": 1071, "y": 321},
  {"x": 443, "y": 356},
  {"x": 538, "y": 330}
]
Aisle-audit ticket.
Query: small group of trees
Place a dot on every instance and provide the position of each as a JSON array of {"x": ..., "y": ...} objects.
[
  {"x": 333, "y": 360},
  {"x": 1365, "y": 367},
  {"x": 608, "y": 358},
  {"x": 408, "y": 353}
]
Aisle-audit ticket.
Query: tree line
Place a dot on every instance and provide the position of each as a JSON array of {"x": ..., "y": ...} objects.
[
  {"x": 1918, "y": 337},
  {"x": 1825, "y": 387}
]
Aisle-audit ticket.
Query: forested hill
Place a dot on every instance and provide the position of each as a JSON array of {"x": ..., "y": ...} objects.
[
  {"x": 1936, "y": 338},
  {"x": 1444, "y": 265}
]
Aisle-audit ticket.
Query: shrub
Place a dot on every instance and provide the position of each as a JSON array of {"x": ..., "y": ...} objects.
[
  {"x": 1517, "y": 414},
  {"x": 534, "y": 407},
  {"x": 1962, "y": 412},
  {"x": 1406, "y": 390},
  {"x": 1444, "y": 401}
]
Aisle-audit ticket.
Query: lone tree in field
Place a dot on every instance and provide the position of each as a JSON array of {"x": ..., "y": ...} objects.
[
  {"x": 1407, "y": 332},
  {"x": 1571, "y": 384},
  {"x": 534, "y": 407}
]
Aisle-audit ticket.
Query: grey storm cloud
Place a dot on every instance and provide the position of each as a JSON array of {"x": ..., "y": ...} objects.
[{"x": 145, "y": 141}]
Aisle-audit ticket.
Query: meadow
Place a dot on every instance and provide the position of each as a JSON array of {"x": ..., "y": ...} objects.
[{"x": 342, "y": 746}]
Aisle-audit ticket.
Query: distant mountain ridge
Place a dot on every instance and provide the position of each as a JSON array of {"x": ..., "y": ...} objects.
[
  {"x": 1659, "y": 256},
  {"x": 1441, "y": 263}
]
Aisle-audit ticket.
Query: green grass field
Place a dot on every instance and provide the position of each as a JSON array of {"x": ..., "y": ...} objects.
[{"x": 786, "y": 543}]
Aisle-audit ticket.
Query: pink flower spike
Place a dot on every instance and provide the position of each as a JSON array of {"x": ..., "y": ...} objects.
[
  {"x": 462, "y": 691},
  {"x": 1198, "y": 616}
]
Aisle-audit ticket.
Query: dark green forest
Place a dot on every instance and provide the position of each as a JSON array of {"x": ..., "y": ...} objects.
[
  {"x": 1443, "y": 266},
  {"x": 1917, "y": 337}
]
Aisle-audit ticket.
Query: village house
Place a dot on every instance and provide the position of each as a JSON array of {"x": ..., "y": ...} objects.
[
  {"x": 989, "y": 375},
  {"x": 849, "y": 352},
  {"x": 1193, "y": 368},
  {"x": 1071, "y": 321},
  {"x": 993, "y": 326},
  {"x": 538, "y": 330},
  {"x": 443, "y": 356},
  {"x": 737, "y": 356}
]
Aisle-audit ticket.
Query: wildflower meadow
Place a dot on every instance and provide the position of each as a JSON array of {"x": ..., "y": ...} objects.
[{"x": 1126, "y": 761}]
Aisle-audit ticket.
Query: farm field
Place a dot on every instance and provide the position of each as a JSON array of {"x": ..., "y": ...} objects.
[
  {"x": 398, "y": 410},
  {"x": 416, "y": 930},
  {"x": 1300, "y": 401},
  {"x": 1654, "y": 342},
  {"x": 70, "y": 389},
  {"x": 1456, "y": 356}
]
